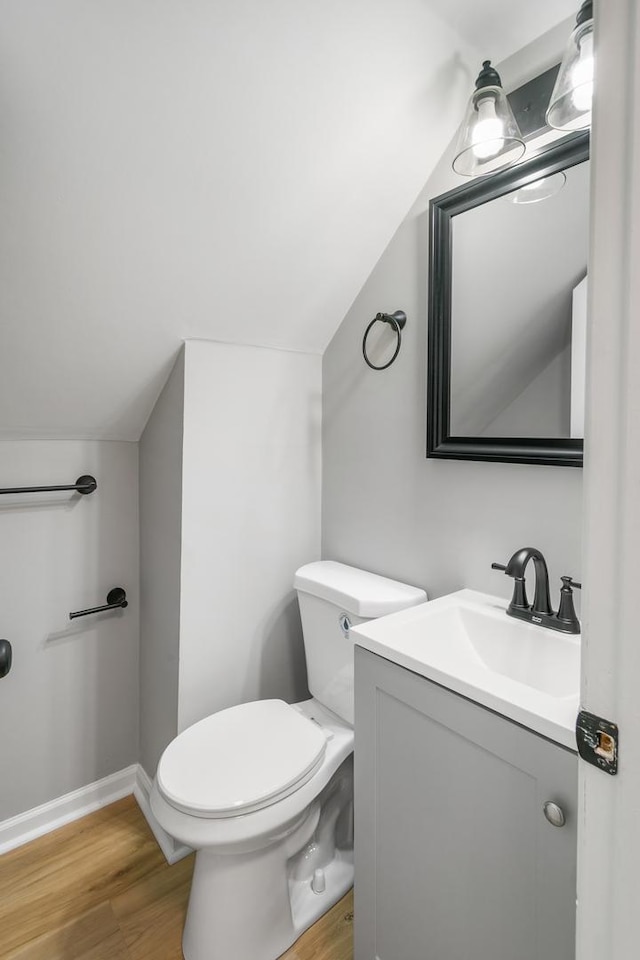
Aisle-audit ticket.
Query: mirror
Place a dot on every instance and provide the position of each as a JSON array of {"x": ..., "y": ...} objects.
[{"x": 507, "y": 312}]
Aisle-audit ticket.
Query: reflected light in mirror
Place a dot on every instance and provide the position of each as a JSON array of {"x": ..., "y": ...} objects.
[{"x": 538, "y": 190}]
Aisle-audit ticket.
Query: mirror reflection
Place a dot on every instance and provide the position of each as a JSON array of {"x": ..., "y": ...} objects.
[{"x": 518, "y": 311}]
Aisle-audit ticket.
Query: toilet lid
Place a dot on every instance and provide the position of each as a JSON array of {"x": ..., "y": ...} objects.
[{"x": 240, "y": 759}]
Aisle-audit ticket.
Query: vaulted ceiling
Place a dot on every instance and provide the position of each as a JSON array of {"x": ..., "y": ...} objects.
[{"x": 224, "y": 169}]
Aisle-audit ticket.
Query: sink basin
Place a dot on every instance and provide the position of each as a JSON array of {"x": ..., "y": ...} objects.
[{"x": 466, "y": 642}]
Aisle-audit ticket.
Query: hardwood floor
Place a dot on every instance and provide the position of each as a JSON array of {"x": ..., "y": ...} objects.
[{"x": 100, "y": 889}]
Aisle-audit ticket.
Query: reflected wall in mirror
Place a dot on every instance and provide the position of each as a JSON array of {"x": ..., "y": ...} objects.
[{"x": 508, "y": 312}]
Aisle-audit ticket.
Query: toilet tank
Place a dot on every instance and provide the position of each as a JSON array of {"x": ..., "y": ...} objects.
[{"x": 333, "y": 597}]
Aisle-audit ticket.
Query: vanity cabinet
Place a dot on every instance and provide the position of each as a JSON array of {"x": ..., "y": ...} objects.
[{"x": 455, "y": 857}]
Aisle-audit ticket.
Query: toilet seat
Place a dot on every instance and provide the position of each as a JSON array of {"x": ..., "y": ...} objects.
[{"x": 240, "y": 760}]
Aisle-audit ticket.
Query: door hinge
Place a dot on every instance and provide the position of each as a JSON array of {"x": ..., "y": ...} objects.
[{"x": 598, "y": 741}]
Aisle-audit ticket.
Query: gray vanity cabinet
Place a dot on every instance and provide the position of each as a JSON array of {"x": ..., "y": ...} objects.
[{"x": 455, "y": 859}]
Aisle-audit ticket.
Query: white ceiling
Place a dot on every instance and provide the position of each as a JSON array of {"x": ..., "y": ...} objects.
[
  {"x": 185, "y": 168},
  {"x": 500, "y": 27}
]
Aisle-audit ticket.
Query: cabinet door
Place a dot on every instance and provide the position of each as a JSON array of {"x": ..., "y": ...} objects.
[{"x": 455, "y": 859}]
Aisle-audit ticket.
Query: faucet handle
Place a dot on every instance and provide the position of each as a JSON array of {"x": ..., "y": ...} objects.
[
  {"x": 519, "y": 599},
  {"x": 566, "y": 612},
  {"x": 569, "y": 582}
]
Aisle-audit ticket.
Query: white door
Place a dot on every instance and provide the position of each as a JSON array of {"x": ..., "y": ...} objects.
[{"x": 609, "y": 826}]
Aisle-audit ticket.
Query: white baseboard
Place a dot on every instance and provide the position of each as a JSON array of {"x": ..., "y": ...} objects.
[
  {"x": 173, "y": 851},
  {"x": 56, "y": 813},
  {"x": 72, "y": 806}
]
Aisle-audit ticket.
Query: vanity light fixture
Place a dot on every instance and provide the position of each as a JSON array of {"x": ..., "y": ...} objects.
[
  {"x": 489, "y": 137},
  {"x": 570, "y": 105}
]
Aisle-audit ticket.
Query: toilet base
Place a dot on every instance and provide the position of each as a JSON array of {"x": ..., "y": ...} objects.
[
  {"x": 307, "y": 906},
  {"x": 255, "y": 905},
  {"x": 246, "y": 908}
]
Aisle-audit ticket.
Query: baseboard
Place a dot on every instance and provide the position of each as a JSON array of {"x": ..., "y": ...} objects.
[
  {"x": 56, "y": 813},
  {"x": 173, "y": 851}
]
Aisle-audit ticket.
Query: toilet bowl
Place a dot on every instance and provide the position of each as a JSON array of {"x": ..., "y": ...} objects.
[
  {"x": 263, "y": 791},
  {"x": 253, "y": 887}
]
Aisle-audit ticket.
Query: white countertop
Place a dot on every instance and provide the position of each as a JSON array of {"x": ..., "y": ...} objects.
[{"x": 466, "y": 642}]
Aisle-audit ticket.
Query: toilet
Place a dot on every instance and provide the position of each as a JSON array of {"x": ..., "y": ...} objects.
[{"x": 263, "y": 791}]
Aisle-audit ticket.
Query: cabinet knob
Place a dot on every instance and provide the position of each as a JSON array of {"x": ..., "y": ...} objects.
[{"x": 554, "y": 814}]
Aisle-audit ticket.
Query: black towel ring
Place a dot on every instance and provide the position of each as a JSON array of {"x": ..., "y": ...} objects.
[{"x": 397, "y": 321}]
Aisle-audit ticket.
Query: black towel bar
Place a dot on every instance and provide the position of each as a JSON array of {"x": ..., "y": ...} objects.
[{"x": 84, "y": 484}]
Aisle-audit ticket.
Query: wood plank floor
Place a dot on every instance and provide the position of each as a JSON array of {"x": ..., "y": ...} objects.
[{"x": 100, "y": 889}]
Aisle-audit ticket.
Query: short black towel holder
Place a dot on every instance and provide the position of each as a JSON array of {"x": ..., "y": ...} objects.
[
  {"x": 397, "y": 320},
  {"x": 116, "y": 599}
]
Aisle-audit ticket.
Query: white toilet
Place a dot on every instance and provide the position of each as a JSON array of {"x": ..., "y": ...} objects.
[{"x": 264, "y": 791}]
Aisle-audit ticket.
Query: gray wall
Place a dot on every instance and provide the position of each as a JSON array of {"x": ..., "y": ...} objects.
[
  {"x": 160, "y": 559},
  {"x": 69, "y": 707},
  {"x": 436, "y": 523}
]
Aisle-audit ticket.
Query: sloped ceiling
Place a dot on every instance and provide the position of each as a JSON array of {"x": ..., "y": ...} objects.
[{"x": 223, "y": 169}]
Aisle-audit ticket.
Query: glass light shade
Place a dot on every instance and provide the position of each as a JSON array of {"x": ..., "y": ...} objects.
[
  {"x": 570, "y": 105},
  {"x": 489, "y": 137}
]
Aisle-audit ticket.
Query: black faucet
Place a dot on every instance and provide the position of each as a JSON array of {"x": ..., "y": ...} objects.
[{"x": 540, "y": 612}]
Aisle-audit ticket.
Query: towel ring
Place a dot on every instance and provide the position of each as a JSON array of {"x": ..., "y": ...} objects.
[{"x": 397, "y": 320}]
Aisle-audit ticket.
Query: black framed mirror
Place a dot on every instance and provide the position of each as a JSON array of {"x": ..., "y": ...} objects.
[{"x": 507, "y": 312}]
